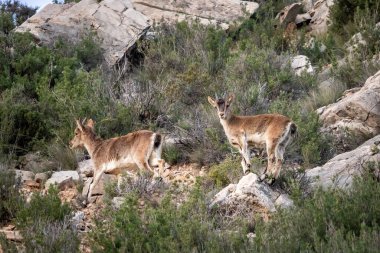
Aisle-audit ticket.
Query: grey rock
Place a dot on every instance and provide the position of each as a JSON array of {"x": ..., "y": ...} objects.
[
  {"x": 117, "y": 201},
  {"x": 283, "y": 201},
  {"x": 115, "y": 22},
  {"x": 212, "y": 12},
  {"x": 356, "y": 117},
  {"x": 41, "y": 177},
  {"x": 24, "y": 175},
  {"x": 289, "y": 13},
  {"x": 249, "y": 189},
  {"x": 300, "y": 64},
  {"x": 86, "y": 168},
  {"x": 303, "y": 18},
  {"x": 320, "y": 16},
  {"x": 63, "y": 179},
  {"x": 339, "y": 171}
]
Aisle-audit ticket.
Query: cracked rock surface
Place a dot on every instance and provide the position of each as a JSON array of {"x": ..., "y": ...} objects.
[
  {"x": 116, "y": 23},
  {"x": 339, "y": 171},
  {"x": 356, "y": 117},
  {"x": 221, "y": 12}
]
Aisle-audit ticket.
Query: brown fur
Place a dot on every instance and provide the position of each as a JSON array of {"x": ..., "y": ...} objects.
[
  {"x": 273, "y": 131},
  {"x": 120, "y": 153}
]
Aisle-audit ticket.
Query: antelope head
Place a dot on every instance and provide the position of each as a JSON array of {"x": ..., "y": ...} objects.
[
  {"x": 82, "y": 133},
  {"x": 222, "y": 105}
]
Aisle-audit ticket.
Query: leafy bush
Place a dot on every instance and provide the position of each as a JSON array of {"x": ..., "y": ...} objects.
[
  {"x": 165, "y": 228},
  {"x": 348, "y": 12},
  {"x": 51, "y": 236},
  {"x": 226, "y": 172},
  {"x": 10, "y": 198},
  {"x": 330, "y": 221},
  {"x": 43, "y": 207},
  {"x": 45, "y": 226}
]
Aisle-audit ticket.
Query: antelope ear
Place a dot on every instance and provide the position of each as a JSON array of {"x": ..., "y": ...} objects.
[
  {"x": 90, "y": 123},
  {"x": 231, "y": 97},
  {"x": 211, "y": 101},
  {"x": 79, "y": 125}
]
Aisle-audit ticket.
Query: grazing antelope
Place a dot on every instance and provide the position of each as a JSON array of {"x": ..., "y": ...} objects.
[
  {"x": 140, "y": 148},
  {"x": 272, "y": 131}
]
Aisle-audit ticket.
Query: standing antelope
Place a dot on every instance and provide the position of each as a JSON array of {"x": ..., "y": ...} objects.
[
  {"x": 271, "y": 130},
  {"x": 113, "y": 155}
]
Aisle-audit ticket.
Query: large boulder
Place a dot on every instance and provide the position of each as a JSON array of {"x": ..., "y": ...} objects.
[
  {"x": 86, "y": 168},
  {"x": 356, "y": 117},
  {"x": 222, "y": 12},
  {"x": 289, "y": 13},
  {"x": 300, "y": 64},
  {"x": 63, "y": 179},
  {"x": 251, "y": 193},
  {"x": 115, "y": 22},
  {"x": 24, "y": 175},
  {"x": 339, "y": 171},
  {"x": 320, "y": 16}
]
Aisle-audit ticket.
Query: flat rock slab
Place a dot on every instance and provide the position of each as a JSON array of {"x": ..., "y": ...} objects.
[
  {"x": 24, "y": 175},
  {"x": 339, "y": 171},
  {"x": 115, "y": 22},
  {"x": 250, "y": 191},
  {"x": 222, "y": 12},
  {"x": 356, "y": 117},
  {"x": 63, "y": 179}
]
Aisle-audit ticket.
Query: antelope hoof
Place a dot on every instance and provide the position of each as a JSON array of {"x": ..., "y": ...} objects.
[
  {"x": 270, "y": 181},
  {"x": 262, "y": 177},
  {"x": 158, "y": 178}
]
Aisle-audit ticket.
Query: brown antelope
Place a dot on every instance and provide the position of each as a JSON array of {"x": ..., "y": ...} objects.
[
  {"x": 141, "y": 148},
  {"x": 272, "y": 131}
]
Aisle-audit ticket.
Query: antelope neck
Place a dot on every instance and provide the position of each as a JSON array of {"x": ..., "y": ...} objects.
[{"x": 92, "y": 144}]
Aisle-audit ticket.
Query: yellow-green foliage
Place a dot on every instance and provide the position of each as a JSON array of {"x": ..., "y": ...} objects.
[{"x": 225, "y": 172}]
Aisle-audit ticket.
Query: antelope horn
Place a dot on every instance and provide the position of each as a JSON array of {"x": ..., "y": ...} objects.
[
  {"x": 216, "y": 96},
  {"x": 84, "y": 121},
  {"x": 79, "y": 124},
  {"x": 224, "y": 95}
]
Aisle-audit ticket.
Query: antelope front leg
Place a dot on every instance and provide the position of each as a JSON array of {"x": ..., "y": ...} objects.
[
  {"x": 246, "y": 155},
  {"x": 95, "y": 181}
]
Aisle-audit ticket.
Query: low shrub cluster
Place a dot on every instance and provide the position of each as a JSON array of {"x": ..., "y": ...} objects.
[
  {"x": 324, "y": 221},
  {"x": 10, "y": 197},
  {"x": 44, "y": 225}
]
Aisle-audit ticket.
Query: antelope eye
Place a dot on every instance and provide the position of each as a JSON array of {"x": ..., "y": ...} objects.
[{"x": 227, "y": 106}]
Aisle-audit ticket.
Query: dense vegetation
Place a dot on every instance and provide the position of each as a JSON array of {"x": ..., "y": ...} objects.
[
  {"x": 43, "y": 89},
  {"x": 326, "y": 221}
]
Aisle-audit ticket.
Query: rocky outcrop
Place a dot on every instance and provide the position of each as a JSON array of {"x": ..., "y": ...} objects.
[
  {"x": 339, "y": 171},
  {"x": 249, "y": 192},
  {"x": 118, "y": 24},
  {"x": 115, "y": 22},
  {"x": 356, "y": 117},
  {"x": 300, "y": 64},
  {"x": 289, "y": 13},
  {"x": 63, "y": 179},
  {"x": 221, "y": 12},
  {"x": 85, "y": 168},
  {"x": 320, "y": 16},
  {"x": 24, "y": 175}
]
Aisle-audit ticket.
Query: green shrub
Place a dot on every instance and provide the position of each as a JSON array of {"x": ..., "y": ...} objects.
[
  {"x": 50, "y": 236},
  {"x": 172, "y": 155},
  {"x": 226, "y": 172},
  {"x": 330, "y": 221},
  {"x": 345, "y": 13},
  {"x": 10, "y": 198},
  {"x": 44, "y": 208},
  {"x": 165, "y": 228},
  {"x": 45, "y": 226}
]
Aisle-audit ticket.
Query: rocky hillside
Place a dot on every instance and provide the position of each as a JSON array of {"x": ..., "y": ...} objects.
[{"x": 134, "y": 65}]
